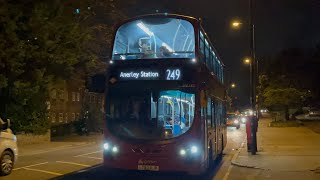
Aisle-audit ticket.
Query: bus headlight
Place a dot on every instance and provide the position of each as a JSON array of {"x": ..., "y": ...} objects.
[
  {"x": 115, "y": 149},
  {"x": 106, "y": 146},
  {"x": 182, "y": 152},
  {"x": 110, "y": 148},
  {"x": 190, "y": 152},
  {"x": 194, "y": 149}
]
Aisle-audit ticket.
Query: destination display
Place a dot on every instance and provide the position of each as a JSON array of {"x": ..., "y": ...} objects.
[{"x": 167, "y": 74}]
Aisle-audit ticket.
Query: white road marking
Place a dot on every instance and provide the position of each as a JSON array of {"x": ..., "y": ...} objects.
[
  {"x": 48, "y": 172},
  {"x": 88, "y": 153},
  {"x": 78, "y": 164},
  {"x": 225, "y": 177},
  {"x": 30, "y": 166},
  {"x": 57, "y": 149},
  {"x": 90, "y": 157},
  {"x": 235, "y": 155}
]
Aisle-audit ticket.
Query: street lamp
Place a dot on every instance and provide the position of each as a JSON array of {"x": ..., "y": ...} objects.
[
  {"x": 233, "y": 85},
  {"x": 236, "y": 24},
  {"x": 247, "y": 61}
]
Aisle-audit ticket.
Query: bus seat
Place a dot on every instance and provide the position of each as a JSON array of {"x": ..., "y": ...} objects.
[
  {"x": 167, "y": 126},
  {"x": 176, "y": 130}
]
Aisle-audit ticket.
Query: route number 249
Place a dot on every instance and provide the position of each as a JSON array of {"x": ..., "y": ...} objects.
[{"x": 173, "y": 74}]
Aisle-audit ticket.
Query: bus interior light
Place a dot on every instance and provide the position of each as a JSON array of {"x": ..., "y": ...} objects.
[
  {"x": 167, "y": 46},
  {"x": 145, "y": 29}
]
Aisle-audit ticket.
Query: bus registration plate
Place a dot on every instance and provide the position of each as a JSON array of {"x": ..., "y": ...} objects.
[{"x": 148, "y": 167}]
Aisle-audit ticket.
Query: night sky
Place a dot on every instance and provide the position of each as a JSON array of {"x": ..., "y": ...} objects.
[{"x": 279, "y": 24}]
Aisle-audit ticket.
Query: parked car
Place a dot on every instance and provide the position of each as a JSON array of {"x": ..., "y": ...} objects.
[
  {"x": 314, "y": 112},
  {"x": 8, "y": 148},
  {"x": 233, "y": 120}
]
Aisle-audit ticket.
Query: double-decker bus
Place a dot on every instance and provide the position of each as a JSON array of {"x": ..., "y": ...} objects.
[{"x": 165, "y": 98}]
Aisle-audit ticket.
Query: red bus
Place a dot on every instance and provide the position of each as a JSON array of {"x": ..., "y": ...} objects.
[{"x": 165, "y": 98}]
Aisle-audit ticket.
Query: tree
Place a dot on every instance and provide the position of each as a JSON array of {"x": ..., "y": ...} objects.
[
  {"x": 284, "y": 98},
  {"x": 40, "y": 42}
]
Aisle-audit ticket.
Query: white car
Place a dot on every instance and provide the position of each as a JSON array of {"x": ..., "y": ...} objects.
[{"x": 8, "y": 148}]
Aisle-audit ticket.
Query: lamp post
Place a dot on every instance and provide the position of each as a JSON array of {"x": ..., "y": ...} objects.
[
  {"x": 253, "y": 76},
  {"x": 254, "y": 120}
]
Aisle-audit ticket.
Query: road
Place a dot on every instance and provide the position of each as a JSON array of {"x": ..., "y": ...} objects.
[{"x": 67, "y": 164}]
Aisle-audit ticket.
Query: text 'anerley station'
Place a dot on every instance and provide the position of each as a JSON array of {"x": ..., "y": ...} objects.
[{"x": 138, "y": 75}]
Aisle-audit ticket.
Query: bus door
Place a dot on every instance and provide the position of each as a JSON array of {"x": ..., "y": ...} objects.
[
  {"x": 215, "y": 129},
  {"x": 211, "y": 128}
]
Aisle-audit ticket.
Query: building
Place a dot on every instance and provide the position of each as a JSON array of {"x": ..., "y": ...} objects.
[{"x": 67, "y": 104}]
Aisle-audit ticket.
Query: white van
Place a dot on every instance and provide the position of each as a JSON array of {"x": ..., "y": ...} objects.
[{"x": 8, "y": 148}]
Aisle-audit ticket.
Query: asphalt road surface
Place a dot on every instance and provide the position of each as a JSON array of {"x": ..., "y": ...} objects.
[{"x": 84, "y": 162}]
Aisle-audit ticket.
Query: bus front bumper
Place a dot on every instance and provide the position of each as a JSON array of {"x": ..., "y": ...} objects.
[{"x": 194, "y": 165}]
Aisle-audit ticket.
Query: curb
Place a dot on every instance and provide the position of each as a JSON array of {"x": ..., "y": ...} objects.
[{"x": 235, "y": 156}]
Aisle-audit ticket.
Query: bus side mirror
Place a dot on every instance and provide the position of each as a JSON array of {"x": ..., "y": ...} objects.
[{"x": 96, "y": 83}]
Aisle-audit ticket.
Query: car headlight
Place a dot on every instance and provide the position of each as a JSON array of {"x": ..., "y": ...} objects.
[
  {"x": 243, "y": 119},
  {"x": 236, "y": 121}
]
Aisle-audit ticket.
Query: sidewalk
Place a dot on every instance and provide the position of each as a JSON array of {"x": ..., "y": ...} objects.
[
  {"x": 282, "y": 149},
  {"x": 59, "y": 143}
]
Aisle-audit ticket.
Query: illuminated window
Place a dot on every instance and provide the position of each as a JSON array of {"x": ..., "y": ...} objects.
[
  {"x": 60, "y": 117},
  {"x": 151, "y": 38},
  {"x": 61, "y": 93},
  {"x": 78, "y": 96},
  {"x": 73, "y": 96},
  {"x": 53, "y": 117},
  {"x": 66, "y": 118}
]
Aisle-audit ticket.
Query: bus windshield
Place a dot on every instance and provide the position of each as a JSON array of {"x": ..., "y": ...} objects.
[
  {"x": 151, "y": 115},
  {"x": 153, "y": 38}
]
